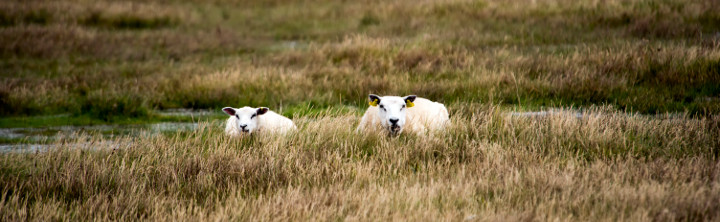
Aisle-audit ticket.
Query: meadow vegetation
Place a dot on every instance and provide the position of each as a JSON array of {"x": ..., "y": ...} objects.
[
  {"x": 127, "y": 59},
  {"x": 644, "y": 73},
  {"x": 489, "y": 166}
]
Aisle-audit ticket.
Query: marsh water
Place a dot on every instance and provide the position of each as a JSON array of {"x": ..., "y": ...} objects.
[{"x": 32, "y": 139}]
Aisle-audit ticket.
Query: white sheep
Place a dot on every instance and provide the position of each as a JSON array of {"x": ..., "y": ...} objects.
[
  {"x": 396, "y": 114},
  {"x": 249, "y": 120}
]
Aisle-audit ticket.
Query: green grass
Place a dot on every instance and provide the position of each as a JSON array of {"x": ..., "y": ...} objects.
[{"x": 118, "y": 59}]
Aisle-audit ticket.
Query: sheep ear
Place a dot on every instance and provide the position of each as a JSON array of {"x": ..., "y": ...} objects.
[
  {"x": 229, "y": 111},
  {"x": 409, "y": 100},
  {"x": 262, "y": 110},
  {"x": 374, "y": 100}
]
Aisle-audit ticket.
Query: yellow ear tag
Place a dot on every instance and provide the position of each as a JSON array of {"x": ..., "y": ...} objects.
[
  {"x": 374, "y": 102},
  {"x": 409, "y": 103}
]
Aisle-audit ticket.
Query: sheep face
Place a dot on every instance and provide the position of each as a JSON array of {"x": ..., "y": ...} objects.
[
  {"x": 247, "y": 117},
  {"x": 392, "y": 111}
]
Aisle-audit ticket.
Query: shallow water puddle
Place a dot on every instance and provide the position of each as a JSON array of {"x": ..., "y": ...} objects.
[
  {"x": 31, "y": 138},
  {"x": 190, "y": 112},
  {"x": 20, "y": 148},
  {"x": 39, "y": 132},
  {"x": 32, "y": 148}
]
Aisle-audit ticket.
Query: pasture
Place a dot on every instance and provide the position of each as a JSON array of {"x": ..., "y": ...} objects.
[{"x": 560, "y": 110}]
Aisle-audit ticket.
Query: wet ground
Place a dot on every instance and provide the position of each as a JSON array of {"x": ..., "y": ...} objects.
[{"x": 32, "y": 139}]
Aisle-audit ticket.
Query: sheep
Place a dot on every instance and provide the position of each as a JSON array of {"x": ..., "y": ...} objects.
[
  {"x": 396, "y": 114},
  {"x": 248, "y": 120}
]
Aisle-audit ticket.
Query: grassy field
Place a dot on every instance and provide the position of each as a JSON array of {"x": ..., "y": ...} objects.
[
  {"x": 126, "y": 59},
  {"x": 488, "y": 166},
  {"x": 645, "y": 74}
]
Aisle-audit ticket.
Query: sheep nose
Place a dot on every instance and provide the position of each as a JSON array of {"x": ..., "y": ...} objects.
[
  {"x": 243, "y": 126},
  {"x": 394, "y": 121}
]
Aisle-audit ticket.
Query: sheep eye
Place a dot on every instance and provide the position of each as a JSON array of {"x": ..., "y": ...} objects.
[
  {"x": 236, "y": 116},
  {"x": 382, "y": 107},
  {"x": 253, "y": 116}
]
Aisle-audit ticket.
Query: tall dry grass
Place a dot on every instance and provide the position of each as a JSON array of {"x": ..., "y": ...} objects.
[
  {"x": 606, "y": 165},
  {"x": 128, "y": 58}
]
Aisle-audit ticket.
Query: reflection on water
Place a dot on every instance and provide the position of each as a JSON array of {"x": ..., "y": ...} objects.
[
  {"x": 190, "y": 112},
  {"x": 49, "y": 132},
  {"x": 12, "y": 148},
  {"x": 36, "y": 135},
  {"x": 27, "y": 148},
  {"x": 33, "y": 139}
]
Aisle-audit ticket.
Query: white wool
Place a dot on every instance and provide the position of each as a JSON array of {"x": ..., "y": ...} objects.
[
  {"x": 425, "y": 116},
  {"x": 269, "y": 122}
]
